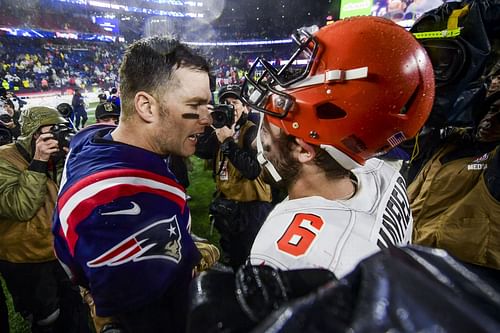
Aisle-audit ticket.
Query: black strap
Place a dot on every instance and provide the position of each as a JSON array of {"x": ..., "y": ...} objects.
[{"x": 23, "y": 152}]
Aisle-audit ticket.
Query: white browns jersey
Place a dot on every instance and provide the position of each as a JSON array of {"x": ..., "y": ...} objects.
[{"x": 314, "y": 232}]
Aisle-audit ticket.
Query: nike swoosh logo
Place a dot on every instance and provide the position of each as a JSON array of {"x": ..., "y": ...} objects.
[{"x": 135, "y": 210}]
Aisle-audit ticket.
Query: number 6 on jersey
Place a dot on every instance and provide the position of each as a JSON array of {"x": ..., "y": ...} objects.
[{"x": 300, "y": 234}]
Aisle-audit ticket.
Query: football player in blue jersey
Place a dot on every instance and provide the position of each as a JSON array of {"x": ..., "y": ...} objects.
[{"x": 122, "y": 225}]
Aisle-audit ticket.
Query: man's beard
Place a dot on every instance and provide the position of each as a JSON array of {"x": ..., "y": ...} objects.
[{"x": 286, "y": 166}]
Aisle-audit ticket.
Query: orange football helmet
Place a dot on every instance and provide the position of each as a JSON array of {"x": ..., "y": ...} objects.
[{"x": 365, "y": 85}]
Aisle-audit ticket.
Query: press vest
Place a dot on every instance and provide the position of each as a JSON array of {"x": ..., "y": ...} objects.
[
  {"x": 453, "y": 209},
  {"x": 231, "y": 183}
]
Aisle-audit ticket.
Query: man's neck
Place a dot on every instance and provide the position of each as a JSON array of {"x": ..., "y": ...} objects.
[
  {"x": 128, "y": 134},
  {"x": 315, "y": 183}
]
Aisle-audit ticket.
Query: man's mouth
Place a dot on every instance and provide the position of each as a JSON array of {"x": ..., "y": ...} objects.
[{"x": 194, "y": 137}]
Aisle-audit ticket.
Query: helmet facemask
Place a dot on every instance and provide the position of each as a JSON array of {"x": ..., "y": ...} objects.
[{"x": 264, "y": 80}]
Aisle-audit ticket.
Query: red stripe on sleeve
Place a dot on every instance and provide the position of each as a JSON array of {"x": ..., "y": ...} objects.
[
  {"x": 109, "y": 174},
  {"x": 85, "y": 208}
]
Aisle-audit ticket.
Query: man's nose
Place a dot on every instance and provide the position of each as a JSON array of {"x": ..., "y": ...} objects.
[{"x": 205, "y": 117}]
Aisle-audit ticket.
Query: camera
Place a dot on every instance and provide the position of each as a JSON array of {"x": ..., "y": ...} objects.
[
  {"x": 63, "y": 134},
  {"x": 222, "y": 115},
  {"x": 5, "y": 118}
]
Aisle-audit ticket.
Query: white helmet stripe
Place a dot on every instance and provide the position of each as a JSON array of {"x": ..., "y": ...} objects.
[{"x": 333, "y": 75}]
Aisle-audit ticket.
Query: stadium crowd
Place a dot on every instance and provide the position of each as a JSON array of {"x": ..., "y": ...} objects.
[{"x": 32, "y": 64}]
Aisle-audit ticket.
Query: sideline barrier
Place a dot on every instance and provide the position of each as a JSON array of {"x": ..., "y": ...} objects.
[{"x": 54, "y": 98}]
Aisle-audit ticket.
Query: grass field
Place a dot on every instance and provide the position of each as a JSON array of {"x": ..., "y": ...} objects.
[{"x": 200, "y": 189}]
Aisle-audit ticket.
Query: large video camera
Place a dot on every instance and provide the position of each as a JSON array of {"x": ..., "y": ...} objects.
[
  {"x": 222, "y": 115},
  {"x": 63, "y": 134}
]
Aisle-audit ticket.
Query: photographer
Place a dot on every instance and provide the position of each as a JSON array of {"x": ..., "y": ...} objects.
[
  {"x": 107, "y": 113},
  {"x": 17, "y": 102},
  {"x": 242, "y": 200},
  {"x": 30, "y": 171},
  {"x": 9, "y": 119}
]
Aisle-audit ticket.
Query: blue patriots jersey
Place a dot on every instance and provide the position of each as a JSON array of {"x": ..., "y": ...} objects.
[{"x": 121, "y": 223}]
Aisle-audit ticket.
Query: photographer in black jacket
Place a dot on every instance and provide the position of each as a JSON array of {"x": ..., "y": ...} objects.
[
  {"x": 242, "y": 200},
  {"x": 9, "y": 122}
]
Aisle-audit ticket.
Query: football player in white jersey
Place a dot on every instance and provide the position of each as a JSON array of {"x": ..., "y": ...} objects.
[{"x": 365, "y": 86}]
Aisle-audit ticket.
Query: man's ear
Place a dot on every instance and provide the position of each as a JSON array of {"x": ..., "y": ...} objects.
[
  {"x": 145, "y": 106},
  {"x": 306, "y": 152}
]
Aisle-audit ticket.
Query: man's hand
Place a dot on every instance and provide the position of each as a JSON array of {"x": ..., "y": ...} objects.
[
  {"x": 45, "y": 146},
  {"x": 209, "y": 256},
  {"x": 9, "y": 124},
  {"x": 224, "y": 133},
  {"x": 99, "y": 322}
]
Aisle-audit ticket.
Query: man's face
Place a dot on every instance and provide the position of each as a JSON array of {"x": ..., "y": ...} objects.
[
  {"x": 277, "y": 150},
  {"x": 239, "y": 108},
  {"x": 9, "y": 109},
  {"x": 495, "y": 85},
  {"x": 188, "y": 94},
  {"x": 111, "y": 120},
  {"x": 488, "y": 129}
]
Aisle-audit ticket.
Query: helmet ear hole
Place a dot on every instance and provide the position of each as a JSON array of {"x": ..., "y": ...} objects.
[
  {"x": 411, "y": 100},
  {"x": 330, "y": 111}
]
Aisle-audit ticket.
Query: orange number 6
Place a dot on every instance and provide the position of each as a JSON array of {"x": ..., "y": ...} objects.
[{"x": 300, "y": 234}]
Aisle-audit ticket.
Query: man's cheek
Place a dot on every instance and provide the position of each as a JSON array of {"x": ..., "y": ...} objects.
[{"x": 266, "y": 147}]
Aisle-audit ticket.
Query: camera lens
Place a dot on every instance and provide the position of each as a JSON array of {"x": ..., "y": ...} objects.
[
  {"x": 219, "y": 119},
  {"x": 222, "y": 115}
]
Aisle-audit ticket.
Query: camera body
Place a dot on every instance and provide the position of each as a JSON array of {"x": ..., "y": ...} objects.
[
  {"x": 222, "y": 115},
  {"x": 63, "y": 134},
  {"x": 6, "y": 118}
]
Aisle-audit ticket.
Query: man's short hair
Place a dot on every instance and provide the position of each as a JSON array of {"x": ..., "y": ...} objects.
[{"x": 148, "y": 64}]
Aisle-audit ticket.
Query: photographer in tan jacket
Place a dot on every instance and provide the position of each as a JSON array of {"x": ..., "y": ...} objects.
[{"x": 30, "y": 171}]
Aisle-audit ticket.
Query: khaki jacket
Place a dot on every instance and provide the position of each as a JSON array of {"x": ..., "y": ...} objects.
[
  {"x": 234, "y": 186},
  {"x": 27, "y": 201},
  {"x": 453, "y": 209}
]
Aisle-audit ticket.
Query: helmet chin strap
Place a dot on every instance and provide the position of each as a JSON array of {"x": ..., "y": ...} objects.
[{"x": 260, "y": 154}]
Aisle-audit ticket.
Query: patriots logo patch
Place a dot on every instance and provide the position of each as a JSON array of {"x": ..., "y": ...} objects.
[{"x": 160, "y": 240}]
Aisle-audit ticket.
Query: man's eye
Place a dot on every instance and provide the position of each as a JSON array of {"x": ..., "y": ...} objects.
[{"x": 197, "y": 105}]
